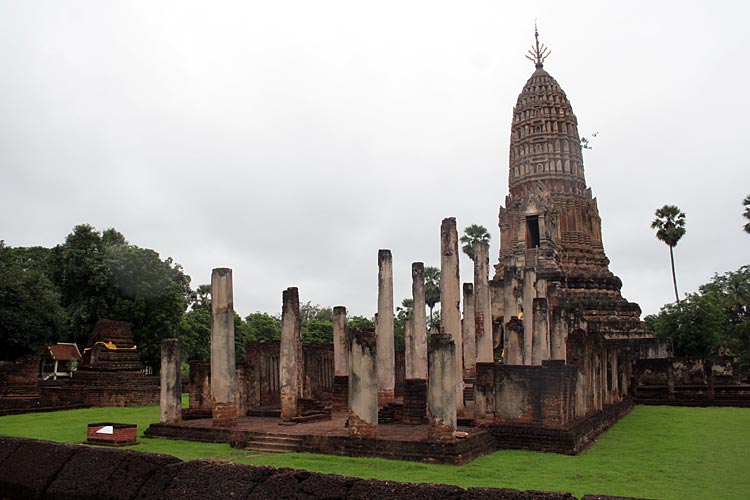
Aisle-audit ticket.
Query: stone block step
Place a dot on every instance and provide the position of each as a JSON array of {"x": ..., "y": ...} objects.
[{"x": 273, "y": 444}]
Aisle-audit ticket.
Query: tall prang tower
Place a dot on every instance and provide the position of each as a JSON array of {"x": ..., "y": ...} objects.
[{"x": 552, "y": 278}]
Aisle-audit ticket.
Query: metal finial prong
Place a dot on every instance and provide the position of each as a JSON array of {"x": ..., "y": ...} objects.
[{"x": 538, "y": 52}]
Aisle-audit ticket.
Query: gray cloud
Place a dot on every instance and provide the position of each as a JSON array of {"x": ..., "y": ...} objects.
[{"x": 290, "y": 141}]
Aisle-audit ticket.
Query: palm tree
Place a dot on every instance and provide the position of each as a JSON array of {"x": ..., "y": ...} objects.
[
  {"x": 746, "y": 204},
  {"x": 670, "y": 227},
  {"x": 473, "y": 234},
  {"x": 431, "y": 287}
]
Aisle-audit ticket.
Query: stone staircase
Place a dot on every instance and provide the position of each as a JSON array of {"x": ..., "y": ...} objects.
[
  {"x": 266, "y": 443},
  {"x": 468, "y": 390}
]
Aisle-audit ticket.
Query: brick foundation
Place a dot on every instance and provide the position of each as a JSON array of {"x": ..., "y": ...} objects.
[
  {"x": 415, "y": 401},
  {"x": 224, "y": 414},
  {"x": 360, "y": 429},
  {"x": 439, "y": 432}
]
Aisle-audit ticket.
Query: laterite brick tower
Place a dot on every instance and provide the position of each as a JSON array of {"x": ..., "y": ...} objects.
[{"x": 552, "y": 277}]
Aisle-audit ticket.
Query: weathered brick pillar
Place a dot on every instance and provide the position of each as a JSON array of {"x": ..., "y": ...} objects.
[
  {"x": 540, "y": 350},
  {"x": 441, "y": 391},
  {"x": 290, "y": 358},
  {"x": 200, "y": 385},
  {"x": 170, "y": 402},
  {"x": 558, "y": 332},
  {"x": 450, "y": 312},
  {"x": 514, "y": 342},
  {"x": 386, "y": 372},
  {"x": 468, "y": 332},
  {"x": 484, "y": 393},
  {"x": 223, "y": 382},
  {"x": 340, "y": 360},
  {"x": 363, "y": 384},
  {"x": 416, "y": 343},
  {"x": 415, "y": 353},
  {"x": 482, "y": 310}
]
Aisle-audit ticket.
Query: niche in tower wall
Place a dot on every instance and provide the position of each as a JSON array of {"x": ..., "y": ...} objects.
[{"x": 532, "y": 231}]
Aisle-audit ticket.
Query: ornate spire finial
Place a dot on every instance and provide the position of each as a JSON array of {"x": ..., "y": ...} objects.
[{"x": 538, "y": 52}]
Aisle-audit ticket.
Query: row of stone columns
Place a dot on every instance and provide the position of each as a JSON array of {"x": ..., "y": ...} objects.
[{"x": 350, "y": 354}]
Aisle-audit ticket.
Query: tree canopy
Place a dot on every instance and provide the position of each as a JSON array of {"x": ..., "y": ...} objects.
[
  {"x": 473, "y": 234},
  {"x": 58, "y": 294},
  {"x": 31, "y": 316},
  {"x": 717, "y": 315}
]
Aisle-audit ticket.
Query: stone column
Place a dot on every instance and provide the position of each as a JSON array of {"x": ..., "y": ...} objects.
[
  {"x": 441, "y": 391},
  {"x": 558, "y": 332},
  {"x": 290, "y": 359},
  {"x": 340, "y": 360},
  {"x": 450, "y": 312},
  {"x": 384, "y": 329},
  {"x": 363, "y": 385},
  {"x": 170, "y": 402},
  {"x": 416, "y": 342},
  {"x": 223, "y": 382},
  {"x": 484, "y": 393},
  {"x": 482, "y": 311},
  {"x": 540, "y": 327},
  {"x": 468, "y": 330},
  {"x": 514, "y": 342}
]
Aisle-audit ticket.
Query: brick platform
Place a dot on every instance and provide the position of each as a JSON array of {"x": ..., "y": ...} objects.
[
  {"x": 115, "y": 434},
  {"x": 400, "y": 442}
]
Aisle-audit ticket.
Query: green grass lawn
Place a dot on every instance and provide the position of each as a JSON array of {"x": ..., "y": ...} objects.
[{"x": 655, "y": 452}]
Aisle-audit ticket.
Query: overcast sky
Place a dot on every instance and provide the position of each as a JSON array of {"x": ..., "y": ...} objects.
[{"x": 292, "y": 140}]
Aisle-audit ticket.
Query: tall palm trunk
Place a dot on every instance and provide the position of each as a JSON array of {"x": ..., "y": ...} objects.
[{"x": 674, "y": 276}]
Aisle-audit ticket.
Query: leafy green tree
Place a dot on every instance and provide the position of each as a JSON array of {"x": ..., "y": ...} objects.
[
  {"x": 308, "y": 311},
  {"x": 82, "y": 280},
  {"x": 431, "y": 291},
  {"x": 732, "y": 293},
  {"x": 195, "y": 334},
  {"x": 473, "y": 234},
  {"x": 693, "y": 326},
  {"x": 101, "y": 275},
  {"x": 241, "y": 336},
  {"x": 359, "y": 323},
  {"x": 202, "y": 296},
  {"x": 263, "y": 326},
  {"x": 317, "y": 331},
  {"x": 670, "y": 227},
  {"x": 718, "y": 315},
  {"x": 30, "y": 313},
  {"x": 746, "y": 214},
  {"x": 403, "y": 312}
]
